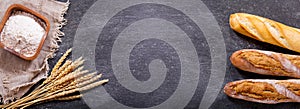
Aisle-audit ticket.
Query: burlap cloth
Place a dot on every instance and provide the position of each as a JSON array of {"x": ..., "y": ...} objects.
[{"x": 18, "y": 75}]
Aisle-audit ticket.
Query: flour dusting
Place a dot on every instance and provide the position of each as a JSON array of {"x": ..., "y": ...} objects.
[{"x": 22, "y": 34}]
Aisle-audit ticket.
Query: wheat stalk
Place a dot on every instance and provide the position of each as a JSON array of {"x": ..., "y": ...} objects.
[
  {"x": 68, "y": 98},
  {"x": 65, "y": 79},
  {"x": 61, "y": 60}
]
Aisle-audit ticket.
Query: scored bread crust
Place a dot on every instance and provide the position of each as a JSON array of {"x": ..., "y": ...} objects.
[
  {"x": 266, "y": 62},
  {"x": 266, "y": 30},
  {"x": 280, "y": 88}
]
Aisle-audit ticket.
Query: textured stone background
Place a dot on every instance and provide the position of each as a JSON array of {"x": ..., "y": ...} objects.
[{"x": 286, "y": 11}]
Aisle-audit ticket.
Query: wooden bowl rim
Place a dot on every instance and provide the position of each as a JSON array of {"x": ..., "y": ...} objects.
[{"x": 36, "y": 14}]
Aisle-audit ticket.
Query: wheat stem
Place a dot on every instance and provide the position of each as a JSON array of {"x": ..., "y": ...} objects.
[
  {"x": 69, "y": 98},
  {"x": 55, "y": 74},
  {"x": 52, "y": 75},
  {"x": 61, "y": 60},
  {"x": 84, "y": 78},
  {"x": 71, "y": 76},
  {"x": 93, "y": 85},
  {"x": 65, "y": 79},
  {"x": 89, "y": 81}
]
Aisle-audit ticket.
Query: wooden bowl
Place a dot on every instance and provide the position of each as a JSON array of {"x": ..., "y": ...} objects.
[{"x": 18, "y": 7}]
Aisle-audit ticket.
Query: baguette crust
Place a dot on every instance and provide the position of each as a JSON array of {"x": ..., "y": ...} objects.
[
  {"x": 266, "y": 30},
  {"x": 264, "y": 91},
  {"x": 267, "y": 62}
]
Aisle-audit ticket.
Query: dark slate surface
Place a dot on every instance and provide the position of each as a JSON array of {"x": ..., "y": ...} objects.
[{"x": 286, "y": 11}]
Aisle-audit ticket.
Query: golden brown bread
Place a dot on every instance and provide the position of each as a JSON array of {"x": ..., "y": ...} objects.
[
  {"x": 267, "y": 62},
  {"x": 264, "y": 91},
  {"x": 266, "y": 30}
]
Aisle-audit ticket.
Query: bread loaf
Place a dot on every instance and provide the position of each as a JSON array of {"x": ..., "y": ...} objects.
[
  {"x": 265, "y": 91},
  {"x": 267, "y": 62},
  {"x": 266, "y": 30}
]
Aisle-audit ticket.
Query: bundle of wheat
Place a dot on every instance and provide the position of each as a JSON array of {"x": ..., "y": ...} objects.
[{"x": 62, "y": 84}]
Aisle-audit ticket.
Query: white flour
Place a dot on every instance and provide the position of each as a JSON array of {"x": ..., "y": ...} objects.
[{"x": 22, "y": 34}]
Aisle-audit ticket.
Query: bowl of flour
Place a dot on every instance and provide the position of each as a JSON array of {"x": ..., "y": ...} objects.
[{"x": 23, "y": 32}]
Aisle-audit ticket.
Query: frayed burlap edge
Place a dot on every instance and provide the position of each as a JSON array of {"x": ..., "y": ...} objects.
[{"x": 57, "y": 34}]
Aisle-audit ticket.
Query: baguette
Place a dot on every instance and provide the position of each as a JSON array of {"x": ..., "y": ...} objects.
[
  {"x": 266, "y": 30},
  {"x": 264, "y": 91},
  {"x": 267, "y": 62}
]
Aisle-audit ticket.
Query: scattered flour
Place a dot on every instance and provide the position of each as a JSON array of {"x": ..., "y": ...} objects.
[{"x": 22, "y": 34}]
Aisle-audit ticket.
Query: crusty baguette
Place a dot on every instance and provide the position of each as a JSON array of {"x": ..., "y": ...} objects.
[
  {"x": 266, "y": 30},
  {"x": 267, "y": 62},
  {"x": 265, "y": 91}
]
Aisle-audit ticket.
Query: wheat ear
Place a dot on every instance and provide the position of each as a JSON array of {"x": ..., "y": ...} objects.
[{"x": 65, "y": 79}]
